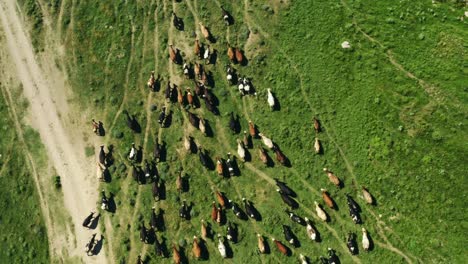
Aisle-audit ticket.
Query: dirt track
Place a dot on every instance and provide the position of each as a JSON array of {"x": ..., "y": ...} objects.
[{"x": 49, "y": 115}]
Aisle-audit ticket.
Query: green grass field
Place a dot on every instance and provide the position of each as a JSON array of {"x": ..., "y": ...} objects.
[{"x": 393, "y": 110}]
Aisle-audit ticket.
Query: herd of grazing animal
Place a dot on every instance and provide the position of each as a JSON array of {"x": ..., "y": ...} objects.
[{"x": 225, "y": 167}]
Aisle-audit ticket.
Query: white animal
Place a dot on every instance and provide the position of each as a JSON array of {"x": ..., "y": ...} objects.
[
  {"x": 206, "y": 55},
  {"x": 240, "y": 150},
  {"x": 303, "y": 259},
  {"x": 310, "y": 230},
  {"x": 221, "y": 247},
  {"x": 241, "y": 86},
  {"x": 345, "y": 45},
  {"x": 271, "y": 99},
  {"x": 246, "y": 85},
  {"x": 320, "y": 212},
  {"x": 187, "y": 144},
  {"x": 317, "y": 145},
  {"x": 133, "y": 152},
  {"x": 268, "y": 142},
  {"x": 229, "y": 74},
  {"x": 201, "y": 126},
  {"x": 365, "y": 240}
]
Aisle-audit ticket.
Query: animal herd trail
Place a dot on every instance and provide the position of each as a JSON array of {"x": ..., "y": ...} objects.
[{"x": 78, "y": 184}]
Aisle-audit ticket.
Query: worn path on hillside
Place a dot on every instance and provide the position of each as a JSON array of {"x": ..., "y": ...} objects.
[{"x": 64, "y": 149}]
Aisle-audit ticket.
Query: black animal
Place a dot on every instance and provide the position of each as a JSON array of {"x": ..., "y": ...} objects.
[
  {"x": 249, "y": 209},
  {"x": 143, "y": 233},
  {"x": 353, "y": 209},
  {"x": 184, "y": 211},
  {"x": 288, "y": 200},
  {"x": 156, "y": 190},
  {"x": 154, "y": 219},
  {"x": 158, "y": 248},
  {"x": 193, "y": 119},
  {"x": 284, "y": 188},
  {"x": 236, "y": 209},
  {"x": 351, "y": 243},
  {"x": 226, "y": 17},
  {"x": 177, "y": 22},
  {"x": 157, "y": 151},
  {"x": 167, "y": 92},
  {"x": 231, "y": 233},
  {"x": 162, "y": 116},
  {"x": 147, "y": 169},
  {"x": 352, "y": 203},
  {"x": 90, "y": 245},
  {"x": 202, "y": 157},
  {"x": 88, "y": 219},
  {"x": 295, "y": 218},
  {"x": 102, "y": 156},
  {"x": 288, "y": 235},
  {"x": 230, "y": 165},
  {"x": 332, "y": 257},
  {"x": 233, "y": 123}
]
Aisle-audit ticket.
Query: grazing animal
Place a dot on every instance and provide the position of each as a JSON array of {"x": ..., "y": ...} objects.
[
  {"x": 288, "y": 235},
  {"x": 132, "y": 153},
  {"x": 157, "y": 151},
  {"x": 135, "y": 173},
  {"x": 214, "y": 211},
  {"x": 317, "y": 146},
  {"x": 197, "y": 49},
  {"x": 202, "y": 157},
  {"x": 261, "y": 244},
  {"x": 252, "y": 130},
  {"x": 351, "y": 203},
  {"x": 332, "y": 257},
  {"x": 196, "y": 249},
  {"x": 365, "y": 240},
  {"x": 266, "y": 141},
  {"x": 167, "y": 91},
  {"x": 230, "y": 165},
  {"x": 235, "y": 209},
  {"x": 332, "y": 177},
  {"x": 263, "y": 155},
  {"x": 219, "y": 215},
  {"x": 284, "y": 188},
  {"x": 208, "y": 95},
  {"x": 249, "y": 208},
  {"x": 90, "y": 245},
  {"x": 88, "y": 219},
  {"x": 151, "y": 81},
  {"x": 102, "y": 156},
  {"x": 239, "y": 56},
  {"x": 176, "y": 255},
  {"x": 95, "y": 127},
  {"x": 180, "y": 182},
  {"x": 201, "y": 126},
  {"x": 154, "y": 218},
  {"x": 282, "y": 248},
  {"x": 232, "y": 123},
  {"x": 186, "y": 69},
  {"x": 320, "y": 212},
  {"x": 198, "y": 69},
  {"x": 104, "y": 201},
  {"x": 221, "y": 199},
  {"x": 240, "y": 150},
  {"x": 207, "y": 56},
  {"x": 367, "y": 196},
  {"x": 143, "y": 233},
  {"x": 295, "y": 218},
  {"x": 317, "y": 127},
  {"x": 188, "y": 143},
  {"x": 303, "y": 259},
  {"x": 147, "y": 169},
  {"x": 155, "y": 190},
  {"x": 180, "y": 96},
  {"x": 246, "y": 140},
  {"x": 270, "y": 99},
  {"x": 280, "y": 157},
  {"x": 162, "y": 116},
  {"x": 190, "y": 98},
  {"x": 158, "y": 249},
  {"x": 230, "y": 233},
  {"x": 100, "y": 170},
  {"x": 240, "y": 86},
  {"x": 287, "y": 200},
  {"x": 226, "y": 16},
  {"x": 230, "y": 53},
  {"x": 139, "y": 261},
  {"x": 184, "y": 211},
  {"x": 219, "y": 166},
  {"x": 247, "y": 85},
  {"x": 204, "y": 230},
  {"x": 221, "y": 247},
  {"x": 353, "y": 210},
  {"x": 173, "y": 54},
  {"x": 327, "y": 199},
  {"x": 205, "y": 32},
  {"x": 351, "y": 243},
  {"x": 193, "y": 119},
  {"x": 177, "y": 22},
  {"x": 230, "y": 75},
  {"x": 311, "y": 231}
]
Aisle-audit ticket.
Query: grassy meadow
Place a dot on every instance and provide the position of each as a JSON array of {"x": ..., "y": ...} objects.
[{"x": 393, "y": 109}]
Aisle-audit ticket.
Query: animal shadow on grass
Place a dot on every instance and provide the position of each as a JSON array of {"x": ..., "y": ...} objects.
[
  {"x": 109, "y": 156},
  {"x": 164, "y": 248},
  {"x": 196, "y": 101},
  {"x": 94, "y": 222},
  {"x": 235, "y": 167},
  {"x": 161, "y": 226},
  {"x": 371, "y": 241},
  {"x": 255, "y": 212},
  {"x": 209, "y": 79},
  {"x": 267, "y": 245},
  {"x": 97, "y": 248},
  {"x": 193, "y": 146},
  {"x": 248, "y": 156},
  {"x": 107, "y": 177},
  {"x": 277, "y": 106},
  {"x": 157, "y": 84},
  {"x": 139, "y": 155},
  {"x": 151, "y": 236},
  {"x": 229, "y": 252},
  {"x": 185, "y": 183},
  {"x": 209, "y": 162},
  {"x": 183, "y": 257},
  {"x": 162, "y": 190},
  {"x": 245, "y": 61},
  {"x": 135, "y": 125},
  {"x": 213, "y": 57},
  {"x": 101, "y": 130},
  {"x": 205, "y": 254},
  {"x": 208, "y": 129},
  {"x": 163, "y": 151},
  {"x": 111, "y": 204}
]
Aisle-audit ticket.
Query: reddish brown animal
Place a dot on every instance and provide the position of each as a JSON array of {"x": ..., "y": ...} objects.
[
  {"x": 231, "y": 54},
  {"x": 252, "y": 130},
  {"x": 327, "y": 199},
  {"x": 239, "y": 56},
  {"x": 221, "y": 199},
  {"x": 172, "y": 54},
  {"x": 263, "y": 155},
  {"x": 180, "y": 96},
  {"x": 214, "y": 211},
  {"x": 280, "y": 157},
  {"x": 219, "y": 166},
  {"x": 316, "y": 125},
  {"x": 189, "y": 97},
  {"x": 197, "y": 49},
  {"x": 282, "y": 248}
]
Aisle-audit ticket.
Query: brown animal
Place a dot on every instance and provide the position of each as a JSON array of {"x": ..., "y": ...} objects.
[
  {"x": 189, "y": 97},
  {"x": 221, "y": 199},
  {"x": 180, "y": 96},
  {"x": 332, "y": 177},
  {"x": 263, "y": 155},
  {"x": 204, "y": 230},
  {"x": 193, "y": 119},
  {"x": 231, "y": 54},
  {"x": 282, "y": 248},
  {"x": 219, "y": 215},
  {"x": 197, "y": 69},
  {"x": 172, "y": 54},
  {"x": 179, "y": 182},
  {"x": 196, "y": 249},
  {"x": 151, "y": 80},
  {"x": 204, "y": 78},
  {"x": 252, "y": 130},
  {"x": 239, "y": 56},
  {"x": 204, "y": 31},
  {"x": 316, "y": 125},
  {"x": 280, "y": 157},
  {"x": 367, "y": 196},
  {"x": 197, "y": 48},
  {"x": 219, "y": 166},
  {"x": 214, "y": 211},
  {"x": 175, "y": 254},
  {"x": 327, "y": 199},
  {"x": 261, "y": 244}
]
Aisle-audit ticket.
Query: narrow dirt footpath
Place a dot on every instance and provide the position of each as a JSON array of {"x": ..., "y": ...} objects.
[{"x": 64, "y": 149}]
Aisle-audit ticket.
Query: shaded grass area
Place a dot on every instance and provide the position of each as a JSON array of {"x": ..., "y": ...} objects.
[
  {"x": 22, "y": 230},
  {"x": 382, "y": 129}
]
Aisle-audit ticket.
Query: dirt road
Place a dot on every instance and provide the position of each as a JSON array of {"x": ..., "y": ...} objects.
[{"x": 64, "y": 146}]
